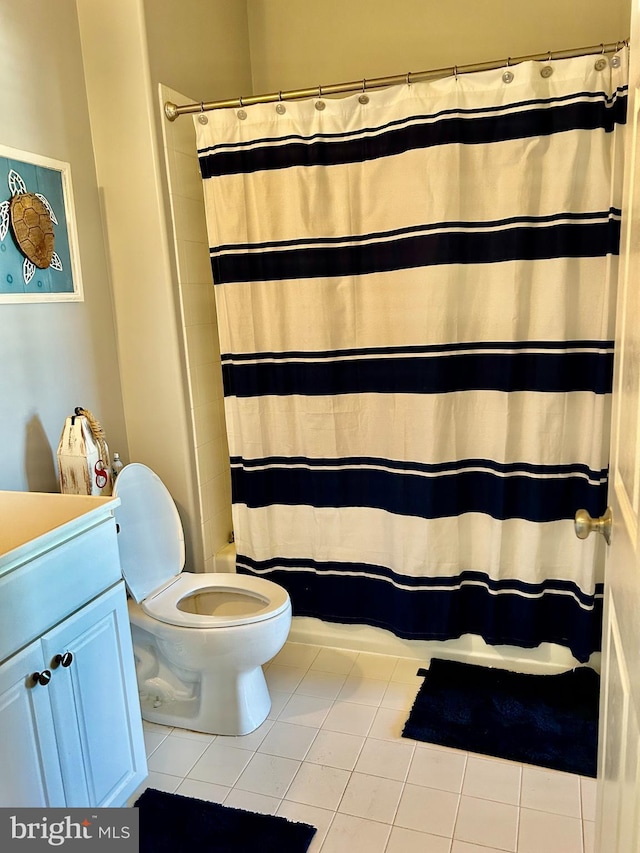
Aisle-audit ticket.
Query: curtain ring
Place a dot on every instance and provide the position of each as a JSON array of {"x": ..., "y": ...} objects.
[
  {"x": 280, "y": 95},
  {"x": 201, "y": 106},
  {"x": 602, "y": 46},
  {"x": 240, "y": 100},
  {"x": 408, "y": 76},
  {"x": 549, "y": 57},
  {"x": 364, "y": 84},
  {"x": 319, "y": 91},
  {"x": 455, "y": 72}
]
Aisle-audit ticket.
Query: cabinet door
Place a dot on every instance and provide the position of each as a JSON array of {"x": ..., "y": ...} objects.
[
  {"x": 95, "y": 703},
  {"x": 30, "y": 770}
]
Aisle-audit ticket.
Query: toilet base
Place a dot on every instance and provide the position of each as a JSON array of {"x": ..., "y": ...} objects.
[{"x": 222, "y": 703}]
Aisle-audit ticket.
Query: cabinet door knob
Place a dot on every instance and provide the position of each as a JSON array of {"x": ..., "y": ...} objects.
[
  {"x": 42, "y": 678},
  {"x": 65, "y": 659}
]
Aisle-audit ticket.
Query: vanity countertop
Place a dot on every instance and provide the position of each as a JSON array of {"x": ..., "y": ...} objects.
[{"x": 36, "y": 521}]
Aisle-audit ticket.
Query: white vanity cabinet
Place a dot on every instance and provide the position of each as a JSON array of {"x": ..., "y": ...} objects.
[{"x": 70, "y": 725}]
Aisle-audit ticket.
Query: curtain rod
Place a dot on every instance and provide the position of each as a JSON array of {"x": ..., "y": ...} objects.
[{"x": 172, "y": 111}]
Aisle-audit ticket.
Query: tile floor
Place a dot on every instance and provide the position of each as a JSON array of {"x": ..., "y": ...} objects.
[{"x": 331, "y": 754}]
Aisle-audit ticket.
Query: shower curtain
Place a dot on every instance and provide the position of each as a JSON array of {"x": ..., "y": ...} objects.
[{"x": 416, "y": 292}]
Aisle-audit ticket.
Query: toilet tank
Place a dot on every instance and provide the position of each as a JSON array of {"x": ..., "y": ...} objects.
[{"x": 225, "y": 559}]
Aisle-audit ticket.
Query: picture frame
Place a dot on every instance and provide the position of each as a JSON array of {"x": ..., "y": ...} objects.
[{"x": 21, "y": 280}]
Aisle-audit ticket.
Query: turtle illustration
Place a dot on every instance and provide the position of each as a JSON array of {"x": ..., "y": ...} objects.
[{"x": 31, "y": 219}]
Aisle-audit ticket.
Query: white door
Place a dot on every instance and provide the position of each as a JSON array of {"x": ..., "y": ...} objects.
[
  {"x": 618, "y": 813},
  {"x": 29, "y": 764},
  {"x": 94, "y": 696}
]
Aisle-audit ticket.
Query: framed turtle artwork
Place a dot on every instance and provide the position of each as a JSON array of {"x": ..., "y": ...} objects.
[{"x": 39, "y": 259}]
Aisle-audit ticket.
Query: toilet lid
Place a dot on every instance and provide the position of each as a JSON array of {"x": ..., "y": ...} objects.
[{"x": 150, "y": 537}]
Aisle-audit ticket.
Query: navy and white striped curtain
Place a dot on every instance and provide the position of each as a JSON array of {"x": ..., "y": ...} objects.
[{"x": 416, "y": 295}]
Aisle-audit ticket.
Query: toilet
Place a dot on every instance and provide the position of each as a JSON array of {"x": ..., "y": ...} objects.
[{"x": 200, "y": 639}]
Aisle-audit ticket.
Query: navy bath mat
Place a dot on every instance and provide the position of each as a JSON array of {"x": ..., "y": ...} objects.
[
  {"x": 548, "y": 720},
  {"x": 171, "y": 823}
]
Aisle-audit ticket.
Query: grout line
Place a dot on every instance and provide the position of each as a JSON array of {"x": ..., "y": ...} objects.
[{"x": 518, "y": 818}]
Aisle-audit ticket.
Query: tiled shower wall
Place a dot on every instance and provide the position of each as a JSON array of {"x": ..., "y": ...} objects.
[{"x": 199, "y": 325}]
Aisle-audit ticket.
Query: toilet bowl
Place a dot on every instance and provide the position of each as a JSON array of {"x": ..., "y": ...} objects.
[{"x": 200, "y": 639}]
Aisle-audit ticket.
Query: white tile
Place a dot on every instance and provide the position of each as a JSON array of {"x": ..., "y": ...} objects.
[
  {"x": 305, "y": 710},
  {"x": 340, "y": 661},
  {"x": 550, "y": 791},
  {"x": 372, "y": 665},
  {"x": 405, "y": 671},
  {"x": 220, "y": 764},
  {"x": 296, "y": 654},
  {"x": 316, "y": 683},
  {"x": 404, "y": 840},
  {"x": 350, "y": 718},
  {"x": 385, "y": 758},
  {"x": 371, "y": 797},
  {"x": 189, "y": 217},
  {"x": 589, "y": 836},
  {"x": 487, "y": 823},
  {"x": 317, "y": 785},
  {"x": 435, "y": 768},
  {"x": 465, "y": 847},
  {"x": 268, "y": 774},
  {"x": 152, "y": 741},
  {"x": 176, "y": 755},
  {"x": 200, "y": 339},
  {"x": 156, "y": 727},
  {"x": 388, "y": 724},
  {"x": 492, "y": 780},
  {"x": 354, "y": 833},
  {"x": 427, "y": 810},
  {"x": 278, "y": 701},
  {"x": 251, "y": 741},
  {"x": 182, "y": 135},
  {"x": 551, "y": 833},
  {"x": 588, "y": 789},
  {"x": 284, "y": 678},
  {"x": 288, "y": 740},
  {"x": 311, "y": 815},
  {"x": 399, "y": 696},
  {"x": 187, "y": 175},
  {"x": 159, "y": 781},
  {"x": 198, "y": 262},
  {"x": 189, "y": 734},
  {"x": 208, "y": 791},
  {"x": 335, "y": 749},
  {"x": 252, "y": 802},
  {"x": 365, "y": 691}
]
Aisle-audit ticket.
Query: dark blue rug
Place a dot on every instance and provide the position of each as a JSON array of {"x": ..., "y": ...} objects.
[
  {"x": 171, "y": 823},
  {"x": 547, "y": 720}
]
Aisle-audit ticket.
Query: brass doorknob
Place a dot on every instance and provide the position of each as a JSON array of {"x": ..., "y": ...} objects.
[{"x": 584, "y": 524}]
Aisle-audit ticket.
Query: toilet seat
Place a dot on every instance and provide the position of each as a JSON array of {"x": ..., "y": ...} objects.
[
  {"x": 264, "y": 598},
  {"x": 152, "y": 555},
  {"x": 150, "y": 534}
]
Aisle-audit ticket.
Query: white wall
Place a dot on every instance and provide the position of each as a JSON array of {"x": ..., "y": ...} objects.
[
  {"x": 298, "y": 45},
  {"x": 54, "y": 356},
  {"x": 127, "y": 45}
]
